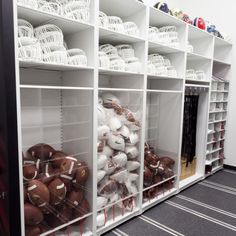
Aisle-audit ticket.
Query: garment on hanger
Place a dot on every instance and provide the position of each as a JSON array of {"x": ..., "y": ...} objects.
[{"x": 190, "y": 127}]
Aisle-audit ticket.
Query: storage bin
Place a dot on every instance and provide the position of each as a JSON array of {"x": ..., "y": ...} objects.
[
  {"x": 220, "y": 87},
  {"x": 212, "y": 106},
  {"x": 225, "y": 97},
  {"x": 214, "y": 85},
  {"x": 213, "y": 97},
  {"x": 220, "y": 97},
  {"x": 218, "y": 116},
  {"x": 212, "y": 117}
]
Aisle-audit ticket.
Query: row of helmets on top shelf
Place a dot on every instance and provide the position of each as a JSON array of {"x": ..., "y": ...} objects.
[
  {"x": 73, "y": 9},
  {"x": 54, "y": 188},
  {"x": 198, "y": 21},
  {"x": 46, "y": 43},
  {"x": 118, "y": 160},
  {"x": 115, "y": 23}
]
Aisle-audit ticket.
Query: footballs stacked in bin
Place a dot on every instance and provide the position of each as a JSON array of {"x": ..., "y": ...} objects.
[
  {"x": 54, "y": 188},
  {"x": 118, "y": 154}
]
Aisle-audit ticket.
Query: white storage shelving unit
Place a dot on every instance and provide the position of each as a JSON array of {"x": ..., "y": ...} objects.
[{"x": 57, "y": 103}]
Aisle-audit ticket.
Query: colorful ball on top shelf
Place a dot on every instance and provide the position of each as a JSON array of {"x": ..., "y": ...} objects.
[
  {"x": 200, "y": 23},
  {"x": 162, "y": 6},
  {"x": 176, "y": 12},
  {"x": 187, "y": 19}
]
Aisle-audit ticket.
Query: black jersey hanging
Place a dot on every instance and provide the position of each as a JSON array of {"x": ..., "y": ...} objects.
[{"x": 190, "y": 127}]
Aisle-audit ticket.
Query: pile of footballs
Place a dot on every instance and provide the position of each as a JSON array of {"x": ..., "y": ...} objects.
[{"x": 198, "y": 21}]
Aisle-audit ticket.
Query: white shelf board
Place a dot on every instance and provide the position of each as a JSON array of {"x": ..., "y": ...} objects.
[
  {"x": 197, "y": 81},
  {"x": 209, "y": 162},
  {"x": 154, "y": 47},
  {"x": 190, "y": 181},
  {"x": 161, "y": 197},
  {"x": 122, "y": 9},
  {"x": 219, "y": 101},
  {"x": 51, "y": 66},
  {"x": 163, "y": 91},
  {"x": 196, "y": 33},
  {"x": 54, "y": 87},
  {"x": 213, "y": 151},
  {"x": 161, "y": 18},
  {"x": 222, "y": 139},
  {"x": 219, "y": 91},
  {"x": 103, "y": 71},
  {"x": 222, "y": 111},
  {"x": 114, "y": 37},
  {"x": 197, "y": 85},
  {"x": 120, "y": 89},
  {"x": 196, "y": 57},
  {"x": 219, "y": 42},
  {"x": 37, "y": 18},
  {"x": 150, "y": 76},
  {"x": 216, "y": 121},
  {"x": 220, "y": 62}
]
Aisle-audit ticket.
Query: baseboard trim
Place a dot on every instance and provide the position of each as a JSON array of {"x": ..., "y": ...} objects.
[{"x": 230, "y": 167}]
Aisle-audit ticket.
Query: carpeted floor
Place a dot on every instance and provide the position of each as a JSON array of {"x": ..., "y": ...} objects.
[{"x": 205, "y": 209}]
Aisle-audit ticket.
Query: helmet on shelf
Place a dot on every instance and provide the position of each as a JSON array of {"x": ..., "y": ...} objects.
[
  {"x": 162, "y": 6},
  {"x": 187, "y": 19},
  {"x": 176, "y": 12},
  {"x": 200, "y": 23}
]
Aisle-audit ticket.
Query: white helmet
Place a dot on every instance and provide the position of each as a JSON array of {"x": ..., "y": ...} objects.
[
  {"x": 108, "y": 99},
  {"x": 132, "y": 165},
  {"x": 103, "y": 132},
  {"x": 120, "y": 159},
  {"x": 131, "y": 151},
  {"x": 114, "y": 124},
  {"x": 107, "y": 151},
  {"x": 124, "y": 132},
  {"x": 116, "y": 142},
  {"x": 100, "y": 175},
  {"x": 133, "y": 139},
  {"x": 101, "y": 162}
]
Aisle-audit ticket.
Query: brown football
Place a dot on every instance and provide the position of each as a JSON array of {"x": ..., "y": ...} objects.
[
  {"x": 57, "y": 191},
  {"x": 47, "y": 174},
  {"x": 167, "y": 161},
  {"x": 82, "y": 172},
  {"x": 30, "y": 172},
  {"x": 32, "y": 231},
  {"x": 75, "y": 198},
  {"x": 33, "y": 215},
  {"x": 82, "y": 209},
  {"x": 67, "y": 180},
  {"x": 38, "y": 193},
  {"x": 68, "y": 166},
  {"x": 57, "y": 158},
  {"x": 41, "y": 151}
]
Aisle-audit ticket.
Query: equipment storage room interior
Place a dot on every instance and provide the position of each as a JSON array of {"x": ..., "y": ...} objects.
[{"x": 117, "y": 118}]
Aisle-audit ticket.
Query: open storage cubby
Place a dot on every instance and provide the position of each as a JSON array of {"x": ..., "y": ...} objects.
[
  {"x": 201, "y": 135},
  {"x": 61, "y": 118},
  {"x": 60, "y": 104},
  {"x": 161, "y": 107},
  {"x": 201, "y": 41}
]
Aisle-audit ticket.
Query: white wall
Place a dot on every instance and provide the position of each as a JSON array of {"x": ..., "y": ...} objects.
[{"x": 223, "y": 15}]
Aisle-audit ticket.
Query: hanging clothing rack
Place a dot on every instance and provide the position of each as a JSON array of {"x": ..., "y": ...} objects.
[{"x": 195, "y": 89}]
